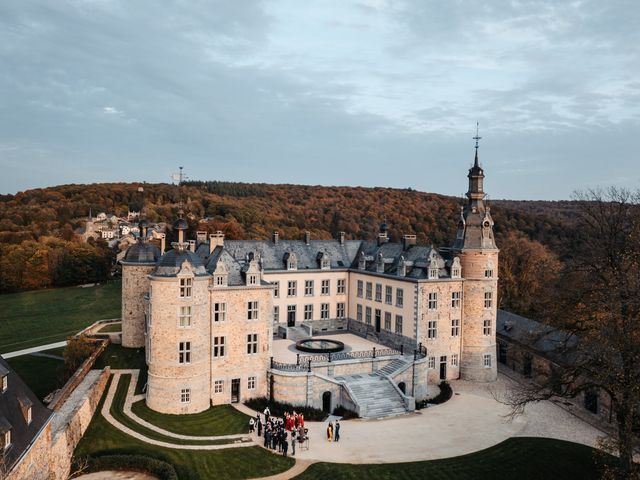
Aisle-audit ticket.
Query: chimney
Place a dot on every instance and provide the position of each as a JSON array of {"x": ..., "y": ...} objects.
[
  {"x": 162, "y": 243},
  {"x": 407, "y": 241},
  {"x": 382, "y": 238},
  {"x": 341, "y": 238},
  {"x": 274, "y": 238},
  {"x": 216, "y": 240},
  {"x": 192, "y": 245},
  {"x": 201, "y": 237},
  {"x": 307, "y": 237}
]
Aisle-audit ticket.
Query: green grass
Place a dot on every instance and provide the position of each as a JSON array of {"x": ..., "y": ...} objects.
[
  {"x": 112, "y": 328},
  {"x": 517, "y": 458},
  {"x": 219, "y": 420},
  {"x": 117, "y": 412},
  {"x": 41, "y": 374},
  {"x": 36, "y": 318},
  {"x": 230, "y": 464},
  {"x": 119, "y": 357}
]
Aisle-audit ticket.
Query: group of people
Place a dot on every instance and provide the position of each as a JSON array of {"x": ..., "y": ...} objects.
[
  {"x": 279, "y": 432},
  {"x": 333, "y": 431}
]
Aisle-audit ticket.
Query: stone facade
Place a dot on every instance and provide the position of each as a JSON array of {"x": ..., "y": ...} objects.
[{"x": 213, "y": 345}]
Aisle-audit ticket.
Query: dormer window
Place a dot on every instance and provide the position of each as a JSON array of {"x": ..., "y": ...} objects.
[
  {"x": 5, "y": 383},
  {"x": 6, "y": 443},
  {"x": 252, "y": 279},
  {"x": 488, "y": 272},
  {"x": 402, "y": 267},
  {"x": 380, "y": 263},
  {"x": 433, "y": 273},
  {"x": 291, "y": 261},
  {"x": 362, "y": 261},
  {"x": 456, "y": 270},
  {"x": 29, "y": 416},
  {"x": 432, "y": 269}
]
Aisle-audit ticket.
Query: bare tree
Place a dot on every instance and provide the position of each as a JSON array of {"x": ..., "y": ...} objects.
[{"x": 596, "y": 306}]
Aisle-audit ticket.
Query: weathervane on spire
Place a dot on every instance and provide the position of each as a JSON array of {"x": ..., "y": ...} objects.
[{"x": 477, "y": 137}]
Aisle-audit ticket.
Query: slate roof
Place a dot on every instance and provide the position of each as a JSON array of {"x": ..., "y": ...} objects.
[
  {"x": 12, "y": 401},
  {"x": 142, "y": 253},
  {"x": 171, "y": 262},
  {"x": 538, "y": 336},
  {"x": 416, "y": 258}
]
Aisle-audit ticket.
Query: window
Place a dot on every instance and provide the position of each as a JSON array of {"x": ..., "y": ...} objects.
[
  {"x": 7, "y": 440},
  {"x": 308, "y": 312},
  {"x": 399, "y": 324},
  {"x": 454, "y": 360},
  {"x": 488, "y": 273},
  {"x": 387, "y": 321},
  {"x": 432, "y": 362},
  {"x": 487, "y": 360},
  {"x": 340, "y": 310},
  {"x": 251, "y": 383},
  {"x": 252, "y": 280},
  {"x": 367, "y": 315},
  {"x": 252, "y": 310},
  {"x": 220, "y": 280},
  {"x": 185, "y": 316},
  {"x": 399, "y": 297},
  {"x": 218, "y": 386},
  {"x": 455, "y": 272},
  {"x": 324, "y": 311},
  {"x": 341, "y": 286},
  {"x": 360, "y": 285},
  {"x": 185, "y": 287},
  {"x": 378, "y": 292},
  {"x": 276, "y": 292},
  {"x": 488, "y": 299},
  {"x": 433, "y": 301},
  {"x": 184, "y": 352},
  {"x": 219, "y": 312},
  {"x": 324, "y": 289},
  {"x": 455, "y": 299},
  {"x": 252, "y": 343},
  {"x": 276, "y": 313},
  {"x": 486, "y": 327},
  {"x": 388, "y": 295},
  {"x": 369, "y": 290},
  {"x": 5, "y": 383},
  {"x": 308, "y": 288},
  {"x": 455, "y": 327},
  {"x": 359, "y": 312},
  {"x": 432, "y": 329},
  {"x": 218, "y": 347},
  {"x": 29, "y": 416},
  {"x": 185, "y": 395},
  {"x": 291, "y": 288}
]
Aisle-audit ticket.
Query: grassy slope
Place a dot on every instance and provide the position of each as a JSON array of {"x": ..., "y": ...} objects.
[
  {"x": 219, "y": 420},
  {"x": 112, "y": 328},
  {"x": 230, "y": 464},
  {"x": 517, "y": 458},
  {"x": 30, "y": 319},
  {"x": 42, "y": 375},
  {"x": 117, "y": 356}
]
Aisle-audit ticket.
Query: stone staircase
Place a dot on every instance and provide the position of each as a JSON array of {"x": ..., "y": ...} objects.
[
  {"x": 375, "y": 395},
  {"x": 393, "y": 367}
]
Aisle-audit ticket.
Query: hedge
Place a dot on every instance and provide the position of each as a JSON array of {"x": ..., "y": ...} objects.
[
  {"x": 445, "y": 394},
  {"x": 278, "y": 409},
  {"x": 138, "y": 463}
]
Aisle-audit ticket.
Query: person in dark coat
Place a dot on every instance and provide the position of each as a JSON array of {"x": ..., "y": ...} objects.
[
  {"x": 336, "y": 432},
  {"x": 285, "y": 445}
]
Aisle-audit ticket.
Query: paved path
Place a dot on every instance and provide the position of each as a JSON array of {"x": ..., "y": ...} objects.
[
  {"x": 41, "y": 348},
  {"x": 123, "y": 428}
]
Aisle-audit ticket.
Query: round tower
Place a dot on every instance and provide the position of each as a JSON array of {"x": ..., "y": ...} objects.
[
  {"x": 475, "y": 247},
  {"x": 138, "y": 263},
  {"x": 178, "y": 332}
]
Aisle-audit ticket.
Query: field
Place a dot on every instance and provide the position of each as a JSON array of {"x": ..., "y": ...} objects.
[
  {"x": 517, "y": 458},
  {"x": 30, "y": 319}
]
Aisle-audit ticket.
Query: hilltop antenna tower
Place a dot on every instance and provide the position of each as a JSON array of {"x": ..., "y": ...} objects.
[{"x": 179, "y": 177}]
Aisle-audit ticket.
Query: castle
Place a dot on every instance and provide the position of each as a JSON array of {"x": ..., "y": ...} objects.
[{"x": 206, "y": 311}]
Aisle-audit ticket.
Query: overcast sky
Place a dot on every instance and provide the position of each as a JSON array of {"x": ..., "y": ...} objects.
[{"x": 344, "y": 92}]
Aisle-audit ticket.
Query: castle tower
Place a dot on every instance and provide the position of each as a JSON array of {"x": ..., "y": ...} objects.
[
  {"x": 178, "y": 331},
  {"x": 139, "y": 261},
  {"x": 475, "y": 247}
]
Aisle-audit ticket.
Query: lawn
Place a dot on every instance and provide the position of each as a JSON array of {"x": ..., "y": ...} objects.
[
  {"x": 36, "y": 318},
  {"x": 41, "y": 374},
  {"x": 119, "y": 357},
  {"x": 219, "y": 420},
  {"x": 518, "y": 458},
  {"x": 112, "y": 328},
  {"x": 230, "y": 464}
]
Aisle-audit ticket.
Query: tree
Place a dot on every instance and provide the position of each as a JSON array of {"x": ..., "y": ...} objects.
[
  {"x": 78, "y": 349},
  {"x": 597, "y": 307}
]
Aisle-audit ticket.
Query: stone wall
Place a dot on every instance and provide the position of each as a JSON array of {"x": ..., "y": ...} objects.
[
  {"x": 135, "y": 284},
  {"x": 35, "y": 464}
]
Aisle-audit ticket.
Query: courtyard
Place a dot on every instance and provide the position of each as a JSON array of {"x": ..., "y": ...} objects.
[{"x": 284, "y": 350}]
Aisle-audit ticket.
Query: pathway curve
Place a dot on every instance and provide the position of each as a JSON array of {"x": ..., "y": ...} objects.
[
  {"x": 123, "y": 428},
  {"x": 41, "y": 348}
]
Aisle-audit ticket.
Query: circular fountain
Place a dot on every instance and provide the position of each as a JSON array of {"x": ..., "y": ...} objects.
[{"x": 319, "y": 345}]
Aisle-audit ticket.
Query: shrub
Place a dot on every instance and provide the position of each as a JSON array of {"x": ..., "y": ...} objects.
[
  {"x": 445, "y": 394},
  {"x": 278, "y": 409},
  {"x": 138, "y": 463},
  {"x": 344, "y": 413}
]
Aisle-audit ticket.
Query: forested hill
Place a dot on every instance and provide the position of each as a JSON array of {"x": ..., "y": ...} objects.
[{"x": 31, "y": 220}]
